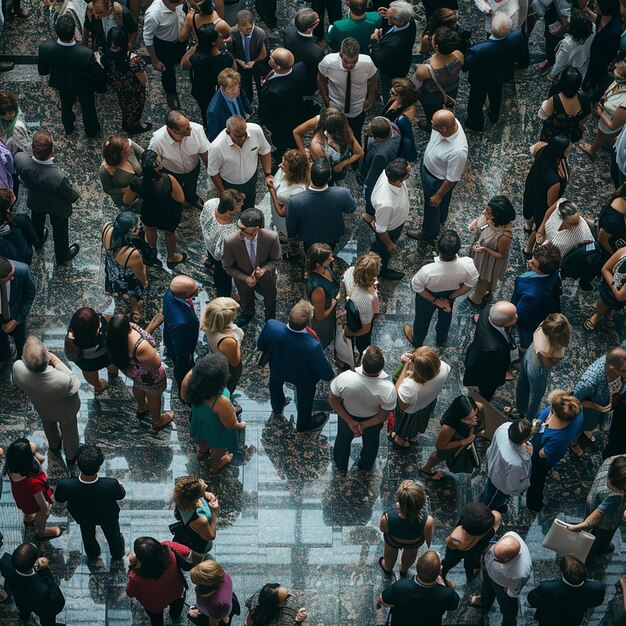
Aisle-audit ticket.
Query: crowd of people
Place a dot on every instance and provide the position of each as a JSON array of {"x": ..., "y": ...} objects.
[{"x": 312, "y": 100}]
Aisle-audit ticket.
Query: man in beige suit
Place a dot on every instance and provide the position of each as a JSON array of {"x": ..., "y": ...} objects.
[
  {"x": 250, "y": 258},
  {"x": 53, "y": 390}
]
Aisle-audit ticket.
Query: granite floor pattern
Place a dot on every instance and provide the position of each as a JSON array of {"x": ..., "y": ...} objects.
[{"x": 285, "y": 516}]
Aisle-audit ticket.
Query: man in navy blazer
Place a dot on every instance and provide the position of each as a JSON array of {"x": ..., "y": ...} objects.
[
  {"x": 295, "y": 356},
  {"x": 490, "y": 64},
  {"x": 227, "y": 101},
  {"x": 17, "y": 292}
]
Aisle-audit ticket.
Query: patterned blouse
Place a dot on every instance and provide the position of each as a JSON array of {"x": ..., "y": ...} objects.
[{"x": 213, "y": 232}]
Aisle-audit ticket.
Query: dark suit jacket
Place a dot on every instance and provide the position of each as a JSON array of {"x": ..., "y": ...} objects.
[
  {"x": 393, "y": 53},
  {"x": 218, "y": 112},
  {"x": 23, "y": 292},
  {"x": 294, "y": 357},
  {"x": 256, "y": 43},
  {"x": 492, "y": 62},
  {"x": 236, "y": 261},
  {"x": 91, "y": 504},
  {"x": 49, "y": 190},
  {"x": 317, "y": 216},
  {"x": 38, "y": 594},
  {"x": 180, "y": 327},
  {"x": 73, "y": 69},
  {"x": 280, "y": 101},
  {"x": 559, "y": 604},
  {"x": 305, "y": 50},
  {"x": 535, "y": 297}
]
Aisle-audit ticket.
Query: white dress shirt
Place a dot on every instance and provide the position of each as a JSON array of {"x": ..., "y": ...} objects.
[
  {"x": 514, "y": 574},
  {"x": 180, "y": 157},
  {"x": 445, "y": 275},
  {"x": 162, "y": 23},
  {"x": 364, "y": 395},
  {"x": 508, "y": 463},
  {"x": 234, "y": 164},
  {"x": 391, "y": 204},
  {"x": 445, "y": 157}
]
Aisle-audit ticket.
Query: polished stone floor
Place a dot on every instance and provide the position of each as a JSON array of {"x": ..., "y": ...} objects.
[{"x": 285, "y": 517}]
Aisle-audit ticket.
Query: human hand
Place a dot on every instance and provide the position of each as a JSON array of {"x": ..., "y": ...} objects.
[
  {"x": 259, "y": 272},
  {"x": 159, "y": 66},
  {"x": 440, "y": 581},
  {"x": 338, "y": 168},
  {"x": 478, "y": 247},
  {"x": 356, "y": 428},
  {"x": 301, "y": 615},
  {"x": 368, "y": 104},
  {"x": 70, "y": 335},
  {"x": 53, "y": 359},
  {"x": 391, "y": 247},
  {"x": 42, "y": 563},
  {"x": 269, "y": 181},
  {"x": 540, "y": 237},
  {"x": 406, "y": 357},
  {"x": 132, "y": 559},
  {"x": 599, "y": 109},
  {"x": 435, "y": 200},
  {"x": 249, "y": 65},
  {"x": 472, "y": 225},
  {"x": 214, "y": 504},
  {"x": 376, "y": 35},
  {"x": 469, "y": 439},
  {"x": 193, "y": 613},
  {"x": 242, "y": 425},
  {"x": 604, "y": 409},
  {"x": 251, "y": 281},
  {"x": 9, "y": 327}
]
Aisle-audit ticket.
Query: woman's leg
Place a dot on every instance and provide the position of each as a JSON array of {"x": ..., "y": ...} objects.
[
  {"x": 602, "y": 310},
  {"x": 141, "y": 399},
  {"x": 220, "y": 457},
  {"x": 151, "y": 235},
  {"x": 530, "y": 244},
  {"x": 170, "y": 244},
  {"x": 176, "y": 608},
  {"x": 114, "y": 372},
  {"x": 40, "y": 525},
  {"x": 409, "y": 555},
  {"x": 390, "y": 557},
  {"x": 601, "y": 139},
  {"x": 93, "y": 378},
  {"x": 154, "y": 406},
  {"x": 433, "y": 460},
  {"x": 480, "y": 291}
]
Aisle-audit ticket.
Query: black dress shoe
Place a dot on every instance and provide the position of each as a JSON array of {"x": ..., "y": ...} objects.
[
  {"x": 6, "y": 66},
  {"x": 317, "y": 422},
  {"x": 392, "y": 274},
  {"x": 43, "y": 239},
  {"x": 243, "y": 320},
  {"x": 72, "y": 251}
]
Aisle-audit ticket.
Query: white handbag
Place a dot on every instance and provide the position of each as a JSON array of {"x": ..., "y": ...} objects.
[
  {"x": 566, "y": 542},
  {"x": 343, "y": 347}
]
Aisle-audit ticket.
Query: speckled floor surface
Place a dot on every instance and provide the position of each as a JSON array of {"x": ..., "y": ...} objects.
[{"x": 285, "y": 517}]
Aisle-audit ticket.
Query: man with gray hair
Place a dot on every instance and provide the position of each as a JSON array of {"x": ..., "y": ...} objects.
[
  {"x": 489, "y": 355},
  {"x": 490, "y": 64},
  {"x": 53, "y": 389}
]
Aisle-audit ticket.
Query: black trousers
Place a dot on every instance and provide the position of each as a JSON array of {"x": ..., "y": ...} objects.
[
  {"x": 170, "y": 54},
  {"x": 19, "y": 337},
  {"x": 248, "y": 189},
  {"x": 538, "y": 474},
  {"x": 603, "y": 539},
  {"x": 256, "y": 75},
  {"x": 60, "y": 233},
  {"x": 305, "y": 393},
  {"x": 267, "y": 11},
  {"x": 87, "y": 103},
  {"x": 176, "y": 608},
  {"x": 113, "y": 536},
  {"x": 477, "y": 97},
  {"x": 356, "y": 124},
  {"x": 189, "y": 182},
  {"x": 333, "y": 8},
  {"x": 343, "y": 442},
  {"x": 491, "y": 592},
  {"x": 222, "y": 281}
]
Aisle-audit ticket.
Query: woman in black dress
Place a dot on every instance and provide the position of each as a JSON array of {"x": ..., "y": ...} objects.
[
  {"x": 161, "y": 208},
  {"x": 612, "y": 223}
]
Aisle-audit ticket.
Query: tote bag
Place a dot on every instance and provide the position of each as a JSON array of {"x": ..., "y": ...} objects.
[{"x": 566, "y": 542}]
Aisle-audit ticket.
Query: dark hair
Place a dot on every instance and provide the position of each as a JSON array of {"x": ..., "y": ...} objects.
[
  {"x": 42, "y": 144},
  {"x": 396, "y": 170},
  {"x": 428, "y": 566},
  {"x": 358, "y": 7},
  {"x": 519, "y": 431},
  {"x": 84, "y": 326},
  {"x": 373, "y": 360},
  {"x": 335, "y": 123},
  {"x": 121, "y": 59},
  {"x": 380, "y": 127},
  {"x": 253, "y": 217},
  {"x": 151, "y": 175},
  {"x": 441, "y": 17},
  {"x": 20, "y": 458},
  {"x": 350, "y": 48},
  {"x": 573, "y": 571},
  {"x": 228, "y": 200},
  {"x": 458, "y": 410},
  {"x": 113, "y": 148},
  {"x": 117, "y": 341},
  {"x": 548, "y": 257},
  {"x": 24, "y": 557},
  {"x": 449, "y": 244},
  {"x": 206, "y": 8},
  {"x": 447, "y": 40},
  {"x": 89, "y": 459},
  {"x": 570, "y": 80},
  {"x": 580, "y": 28},
  {"x": 123, "y": 225},
  {"x": 5, "y": 267},
  {"x": 7, "y": 200},
  {"x": 502, "y": 210},
  {"x": 64, "y": 27},
  {"x": 8, "y": 103},
  {"x": 320, "y": 171},
  {"x": 268, "y": 608},
  {"x": 406, "y": 91},
  {"x": 208, "y": 378},
  {"x": 316, "y": 255},
  {"x": 155, "y": 558},
  {"x": 617, "y": 473},
  {"x": 609, "y": 7},
  {"x": 305, "y": 19},
  {"x": 207, "y": 36},
  {"x": 477, "y": 519},
  {"x": 546, "y": 160}
]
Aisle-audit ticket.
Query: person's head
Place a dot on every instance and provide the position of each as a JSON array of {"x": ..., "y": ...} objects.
[
  {"x": 272, "y": 597},
  {"x": 245, "y": 22},
  {"x": 546, "y": 259},
  {"x": 397, "y": 171},
  {"x": 568, "y": 211},
  {"x": 7, "y": 200},
  {"x": 349, "y": 53},
  {"x": 564, "y": 405},
  {"x": 619, "y": 69},
  {"x": 573, "y": 571},
  {"x": 445, "y": 40},
  {"x": 206, "y": 7},
  {"x": 153, "y": 558},
  {"x": 117, "y": 340},
  {"x": 404, "y": 91},
  {"x": 366, "y": 270},
  {"x": 208, "y": 37},
  {"x": 448, "y": 245},
  {"x": 520, "y": 431},
  {"x": 501, "y": 210},
  {"x": 24, "y": 557},
  {"x": 616, "y": 362},
  {"x": 208, "y": 378},
  {"x": 184, "y": 287},
  {"x": 580, "y": 27},
  {"x": 281, "y": 60},
  {"x": 237, "y": 129},
  {"x": 442, "y": 17},
  {"x": 178, "y": 126},
  {"x": 320, "y": 172},
  {"x": 319, "y": 255},
  {"x": 229, "y": 81},
  {"x": 608, "y": 7},
  {"x": 501, "y": 25},
  {"x": 372, "y": 360},
  {"x": 65, "y": 28},
  {"x": 117, "y": 42},
  {"x": 218, "y": 315},
  {"x": 115, "y": 149},
  {"x": 557, "y": 329},
  {"x": 89, "y": 459},
  {"x": 6, "y": 270},
  {"x": 557, "y": 149},
  {"x": 20, "y": 458},
  {"x": 570, "y": 79},
  {"x": 250, "y": 222},
  {"x": 150, "y": 165},
  {"x": 503, "y": 314},
  {"x": 506, "y": 549},
  {"x": 425, "y": 365},
  {"x": 8, "y": 106},
  {"x": 230, "y": 201},
  {"x": 296, "y": 167},
  {"x": 35, "y": 355},
  {"x": 125, "y": 226},
  {"x": 399, "y": 13},
  {"x": 42, "y": 145},
  {"x": 410, "y": 500},
  {"x": 444, "y": 122},
  {"x": 616, "y": 477},
  {"x": 380, "y": 128},
  {"x": 207, "y": 576},
  {"x": 462, "y": 409},
  {"x": 357, "y": 7},
  {"x": 477, "y": 519},
  {"x": 306, "y": 20},
  {"x": 187, "y": 491},
  {"x": 101, "y": 8},
  {"x": 428, "y": 567},
  {"x": 300, "y": 315},
  {"x": 335, "y": 124}
]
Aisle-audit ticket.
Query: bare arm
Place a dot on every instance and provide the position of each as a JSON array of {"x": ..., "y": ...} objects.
[
  {"x": 322, "y": 85},
  {"x": 185, "y": 62},
  {"x": 318, "y": 300},
  {"x": 229, "y": 347},
  {"x": 177, "y": 194},
  {"x": 380, "y": 417},
  {"x": 305, "y": 128},
  {"x": 542, "y": 228},
  {"x": 137, "y": 265}
]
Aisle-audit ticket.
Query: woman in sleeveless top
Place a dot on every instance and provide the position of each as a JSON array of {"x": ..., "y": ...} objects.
[
  {"x": 135, "y": 352},
  {"x": 493, "y": 233},
  {"x": 204, "y": 13},
  {"x": 612, "y": 223},
  {"x": 612, "y": 291},
  {"x": 120, "y": 164},
  {"x": 400, "y": 109},
  {"x": 125, "y": 273},
  {"x": 405, "y": 527}
]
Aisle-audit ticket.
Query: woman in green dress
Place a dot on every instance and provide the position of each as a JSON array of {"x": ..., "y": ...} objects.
[
  {"x": 120, "y": 164},
  {"x": 214, "y": 423}
]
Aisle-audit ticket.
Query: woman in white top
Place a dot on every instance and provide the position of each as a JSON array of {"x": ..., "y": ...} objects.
[
  {"x": 421, "y": 379},
  {"x": 575, "y": 48},
  {"x": 564, "y": 227}
]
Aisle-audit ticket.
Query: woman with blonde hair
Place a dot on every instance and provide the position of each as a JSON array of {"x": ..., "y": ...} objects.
[
  {"x": 422, "y": 376},
  {"x": 214, "y": 594},
  {"x": 405, "y": 527}
]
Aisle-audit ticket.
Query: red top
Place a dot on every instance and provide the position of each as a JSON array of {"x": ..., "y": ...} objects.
[
  {"x": 156, "y": 595},
  {"x": 24, "y": 492}
]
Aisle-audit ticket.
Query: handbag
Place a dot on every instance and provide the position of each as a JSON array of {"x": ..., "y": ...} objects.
[
  {"x": 566, "y": 542},
  {"x": 353, "y": 315},
  {"x": 187, "y": 536},
  {"x": 343, "y": 347},
  {"x": 465, "y": 461},
  {"x": 448, "y": 102}
]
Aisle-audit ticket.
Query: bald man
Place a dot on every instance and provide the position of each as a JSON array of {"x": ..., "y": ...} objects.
[{"x": 508, "y": 567}]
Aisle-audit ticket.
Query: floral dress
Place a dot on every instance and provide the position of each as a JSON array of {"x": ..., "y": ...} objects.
[
  {"x": 131, "y": 94},
  {"x": 120, "y": 280},
  {"x": 149, "y": 379}
]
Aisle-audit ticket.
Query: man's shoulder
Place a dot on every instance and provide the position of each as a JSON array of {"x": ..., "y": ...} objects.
[
  {"x": 49, "y": 46},
  {"x": 68, "y": 483},
  {"x": 157, "y": 136},
  {"x": 266, "y": 233},
  {"x": 232, "y": 239}
]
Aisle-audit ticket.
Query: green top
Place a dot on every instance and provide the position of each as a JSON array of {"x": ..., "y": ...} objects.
[{"x": 361, "y": 30}]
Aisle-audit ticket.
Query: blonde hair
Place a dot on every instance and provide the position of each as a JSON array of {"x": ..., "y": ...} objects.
[
  {"x": 564, "y": 405},
  {"x": 187, "y": 492},
  {"x": 426, "y": 364},
  {"x": 557, "y": 329},
  {"x": 208, "y": 573},
  {"x": 300, "y": 315},
  {"x": 218, "y": 315},
  {"x": 228, "y": 78},
  {"x": 411, "y": 498},
  {"x": 366, "y": 270}
]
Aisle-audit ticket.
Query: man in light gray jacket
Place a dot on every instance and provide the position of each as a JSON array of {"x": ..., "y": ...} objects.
[{"x": 53, "y": 389}]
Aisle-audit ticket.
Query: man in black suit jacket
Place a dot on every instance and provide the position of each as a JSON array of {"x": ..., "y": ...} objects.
[
  {"x": 74, "y": 71},
  {"x": 92, "y": 501},
  {"x": 249, "y": 49},
  {"x": 280, "y": 102},
  {"x": 392, "y": 51},
  {"x": 49, "y": 193},
  {"x": 489, "y": 355},
  {"x": 564, "y": 602},
  {"x": 30, "y": 582}
]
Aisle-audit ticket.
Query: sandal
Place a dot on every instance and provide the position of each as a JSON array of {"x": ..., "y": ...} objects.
[
  {"x": 61, "y": 531},
  {"x": 166, "y": 422},
  {"x": 432, "y": 475},
  {"x": 217, "y": 470},
  {"x": 587, "y": 438},
  {"x": 589, "y": 325},
  {"x": 387, "y": 572},
  {"x": 183, "y": 257},
  {"x": 577, "y": 450},
  {"x": 392, "y": 437},
  {"x": 475, "y": 601},
  {"x": 510, "y": 410}
]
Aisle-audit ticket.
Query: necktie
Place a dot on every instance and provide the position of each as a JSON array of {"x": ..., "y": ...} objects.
[
  {"x": 251, "y": 245},
  {"x": 346, "y": 106},
  {"x": 4, "y": 303},
  {"x": 269, "y": 76},
  {"x": 190, "y": 303},
  {"x": 246, "y": 48}
]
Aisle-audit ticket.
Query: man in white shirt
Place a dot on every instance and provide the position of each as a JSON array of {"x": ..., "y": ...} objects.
[
  {"x": 508, "y": 567},
  {"x": 437, "y": 285},
  {"x": 362, "y": 400},
  {"x": 442, "y": 166},
  {"x": 349, "y": 81},
  {"x": 234, "y": 158},
  {"x": 182, "y": 144},
  {"x": 390, "y": 200}
]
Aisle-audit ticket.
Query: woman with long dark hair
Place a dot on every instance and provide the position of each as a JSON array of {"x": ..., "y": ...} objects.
[
  {"x": 273, "y": 605},
  {"x": 401, "y": 109},
  {"x": 204, "y": 13},
  {"x": 612, "y": 223}
]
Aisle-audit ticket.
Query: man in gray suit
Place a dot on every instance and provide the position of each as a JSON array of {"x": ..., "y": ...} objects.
[
  {"x": 49, "y": 193},
  {"x": 250, "y": 257},
  {"x": 53, "y": 389}
]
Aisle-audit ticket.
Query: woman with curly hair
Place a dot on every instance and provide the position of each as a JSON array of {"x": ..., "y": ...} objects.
[
  {"x": 214, "y": 422},
  {"x": 400, "y": 110}
]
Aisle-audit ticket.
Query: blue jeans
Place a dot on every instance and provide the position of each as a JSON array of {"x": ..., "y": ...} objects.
[
  {"x": 433, "y": 215},
  {"x": 381, "y": 248},
  {"x": 531, "y": 384},
  {"x": 493, "y": 497},
  {"x": 423, "y": 314}
]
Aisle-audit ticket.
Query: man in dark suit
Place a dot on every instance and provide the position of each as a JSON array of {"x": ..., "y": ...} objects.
[
  {"x": 101, "y": 12},
  {"x": 30, "y": 582},
  {"x": 489, "y": 355},
  {"x": 74, "y": 71},
  {"x": 227, "y": 101},
  {"x": 17, "y": 292},
  {"x": 565, "y": 601},
  {"x": 281, "y": 103},
  {"x": 295, "y": 356},
  {"x": 92, "y": 501},
  {"x": 49, "y": 193},
  {"x": 490, "y": 64},
  {"x": 316, "y": 215},
  {"x": 392, "y": 49},
  {"x": 250, "y": 257}
]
